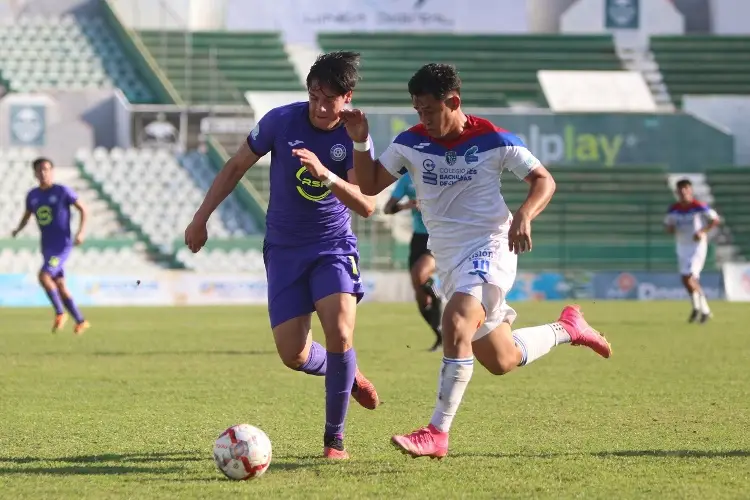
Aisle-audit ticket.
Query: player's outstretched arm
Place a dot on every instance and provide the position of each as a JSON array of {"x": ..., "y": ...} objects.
[
  {"x": 371, "y": 175},
  {"x": 226, "y": 180},
  {"x": 22, "y": 224}
]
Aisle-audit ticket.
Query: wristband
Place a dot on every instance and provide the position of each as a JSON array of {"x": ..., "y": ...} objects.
[
  {"x": 362, "y": 147},
  {"x": 330, "y": 179}
]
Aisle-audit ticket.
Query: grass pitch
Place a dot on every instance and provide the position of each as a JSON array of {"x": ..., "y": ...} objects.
[{"x": 131, "y": 409}]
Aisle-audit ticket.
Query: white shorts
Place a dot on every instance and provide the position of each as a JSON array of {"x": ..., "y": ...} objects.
[
  {"x": 691, "y": 257},
  {"x": 487, "y": 274}
]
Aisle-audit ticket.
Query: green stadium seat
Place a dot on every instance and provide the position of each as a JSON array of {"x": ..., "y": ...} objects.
[
  {"x": 496, "y": 69},
  {"x": 703, "y": 64},
  {"x": 222, "y": 65},
  {"x": 729, "y": 186}
]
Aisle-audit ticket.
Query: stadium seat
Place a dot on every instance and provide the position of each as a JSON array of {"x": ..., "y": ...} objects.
[
  {"x": 703, "y": 64},
  {"x": 221, "y": 66},
  {"x": 157, "y": 194},
  {"x": 729, "y": 187},
  {"x": 66, "y": 53},
  {"x": 496, "y": 69}
]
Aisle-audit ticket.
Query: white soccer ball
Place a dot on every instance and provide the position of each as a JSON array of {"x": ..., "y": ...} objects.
[{"x": 242, "y": 452}]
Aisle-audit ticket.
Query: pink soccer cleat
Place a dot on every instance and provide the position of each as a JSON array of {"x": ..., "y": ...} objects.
[
  {"x": 424, "y": 442},
  {"x": 335, "y": 454},
  {"x": 581, "y": 332},
  {"x": 364, "y": 392}
]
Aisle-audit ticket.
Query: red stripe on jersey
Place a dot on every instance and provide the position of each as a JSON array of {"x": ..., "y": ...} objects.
[
  {"x": 686, "y": 207},
  {"x": 475, "y": 126}
]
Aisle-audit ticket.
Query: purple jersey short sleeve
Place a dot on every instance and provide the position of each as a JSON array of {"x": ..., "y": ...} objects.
[
  {"x": 310, "y": 250},
  {"x": 51, "y": 208}
]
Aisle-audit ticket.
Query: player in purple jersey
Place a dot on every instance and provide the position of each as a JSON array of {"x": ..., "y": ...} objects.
[
  {"x": 50, "y": 203},
  {"x": 310, "y": 252}
]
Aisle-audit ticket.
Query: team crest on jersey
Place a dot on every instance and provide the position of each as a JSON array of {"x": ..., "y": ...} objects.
[
  {"x": 451, "y": 157},
  {"x": 338, "y": 152}
]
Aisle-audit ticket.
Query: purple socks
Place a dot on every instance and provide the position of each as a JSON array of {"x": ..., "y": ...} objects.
[
  {"x": 316, "y": 361},
  {"x": 54, "y": 297},
  {"x": 341, "y": 368},
  {"x": 73, "y": 309}
]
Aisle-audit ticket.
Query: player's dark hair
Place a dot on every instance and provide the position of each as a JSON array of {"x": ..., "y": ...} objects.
[
  {"x": 337, "y": 71},
  {"x": 41, "y": 161},
  {"x": 683, "y": 183},
  {"x": 437, "y": 80}
]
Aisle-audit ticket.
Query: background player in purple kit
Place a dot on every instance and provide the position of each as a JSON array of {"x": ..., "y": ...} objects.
[
  {"x": 310, "y": 252},
  {"x": 50, "y": 203}
]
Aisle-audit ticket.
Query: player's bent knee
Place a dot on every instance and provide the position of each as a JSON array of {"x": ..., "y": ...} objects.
[{"x": 293, "y": 361}]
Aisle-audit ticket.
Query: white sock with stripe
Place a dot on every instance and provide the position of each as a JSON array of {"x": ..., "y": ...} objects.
[
  {"x": 536, "y": 341},
  {"x": 454, "y": 378}
]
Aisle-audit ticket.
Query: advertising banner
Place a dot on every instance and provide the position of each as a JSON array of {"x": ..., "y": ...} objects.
[
  {"x": 680, "y": 141},
  {"x": 737, "y": 281},
  {"x": 651, "y": 286},
  {"x": 301, "y": 21}
]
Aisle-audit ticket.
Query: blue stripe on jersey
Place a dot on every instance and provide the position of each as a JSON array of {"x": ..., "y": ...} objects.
[
  {"x": 691, "y": 210},
  {"x": 483, "y": 143}
]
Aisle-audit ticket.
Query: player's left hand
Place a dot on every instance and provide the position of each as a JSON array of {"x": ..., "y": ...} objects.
[
  {"x": 79, "y": 239},
  {"x": 699, "y": 236},
  {"x": 311, "y": 162},
  {"x": 519, "y": 235}
]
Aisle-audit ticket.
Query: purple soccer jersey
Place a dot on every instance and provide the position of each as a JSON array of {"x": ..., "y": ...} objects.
[
  {"x": 310, "y": 250},
  {"x": 51, "y": 207}
]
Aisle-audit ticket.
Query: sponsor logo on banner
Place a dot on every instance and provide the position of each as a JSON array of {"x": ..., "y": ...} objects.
[
  {"x": 737, "y": 281},
  {"x": 196, "y": 289},
  {"x": 541, "y": 286},
  {"x": 121, "y": 290},
  {"x": 651, "y": 286},
  {"x": 622, "y": 14},
  {"x": 21, "y": 290},
  {"x": 27, "y": 125}
]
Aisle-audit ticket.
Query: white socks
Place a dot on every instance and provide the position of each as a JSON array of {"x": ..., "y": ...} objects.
[
  {"x": 454, "y": 378},
  {"x": 536, "y": 341},
  {"x": 695, "y": 298}
]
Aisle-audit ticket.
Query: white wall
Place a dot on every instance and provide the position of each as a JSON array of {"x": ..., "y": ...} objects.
[
  {"x": 544, "y": 15},
  {"x": 174, "y": 14},
  {"x": 730, "y": 17},
  {"x": 657, "y": 17}
]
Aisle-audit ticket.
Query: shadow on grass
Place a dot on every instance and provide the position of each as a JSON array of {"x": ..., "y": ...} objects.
[
  {"x": 139, "y": 354},
  {"x": 177, "y": 456},
  {"x": 109, "y": 470},
  {"x": 616, "y": 454}
]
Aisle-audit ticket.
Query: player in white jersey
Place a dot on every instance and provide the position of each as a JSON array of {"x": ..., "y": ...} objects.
[
  {"x": 690, "y": 221},
  {"x": 455, "y": 162}
]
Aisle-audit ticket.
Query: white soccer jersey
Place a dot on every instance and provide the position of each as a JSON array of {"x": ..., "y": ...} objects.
[
  {"x": 457, "y": 185},
  {"x": 688, "y": 220}
]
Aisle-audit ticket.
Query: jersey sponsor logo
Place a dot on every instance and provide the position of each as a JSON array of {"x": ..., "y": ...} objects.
[
  {"x": 451, "y": 157},
  {"x": 470, "y": 155},
  {"x": 428, "y": 172},
  {"x": 295, "y": 143},
  {"x": 44, "y": 215},
  {"x": 309, "y": 188},
  {"x": 338, "y": 152},
  {"x": 421, "y": 145}
]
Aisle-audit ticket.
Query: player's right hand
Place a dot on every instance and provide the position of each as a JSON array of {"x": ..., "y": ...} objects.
[
  {"x": 15, "y": 233},
  {"x": 196, "y": 235},
  {"x": 356, "y": 124}
]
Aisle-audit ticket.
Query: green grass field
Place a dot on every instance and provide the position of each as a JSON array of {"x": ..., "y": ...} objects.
[{"x": 131, "y": 409}]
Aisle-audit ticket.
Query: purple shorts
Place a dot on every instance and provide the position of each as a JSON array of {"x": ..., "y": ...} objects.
[
  {"x": 54, "y": 262},
  {"x": 300, "y": 276}
]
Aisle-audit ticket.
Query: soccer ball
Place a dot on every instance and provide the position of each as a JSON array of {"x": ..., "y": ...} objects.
[{"x": 242, "y": 452}]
